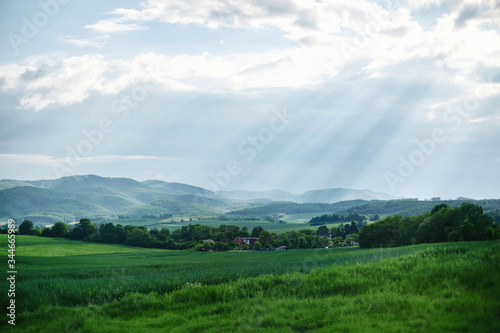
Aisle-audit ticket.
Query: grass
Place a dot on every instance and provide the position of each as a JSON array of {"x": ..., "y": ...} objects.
[{"x": 426, "y": 288}]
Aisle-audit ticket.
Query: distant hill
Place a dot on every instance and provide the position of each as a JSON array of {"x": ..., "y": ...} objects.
[
  {"x": 320, "y": 196},
  {"x": 274, "y": 195},
  {"x": 23, "y": 201},
  {"x": 297, "y": 208},
  {"x": 178, "y": 188},
  {"x": 71, "y": 198},
  {"x": 415, "y": 207},
  {"x": 341, "y": 194},
  {"x": 8, "y": 183}
]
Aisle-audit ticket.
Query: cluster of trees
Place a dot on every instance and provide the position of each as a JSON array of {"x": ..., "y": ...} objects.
[
  {"x": 332, "y": 218},
  {"x": 442, "y": 224},
  {"x": 194, "y": 236}
]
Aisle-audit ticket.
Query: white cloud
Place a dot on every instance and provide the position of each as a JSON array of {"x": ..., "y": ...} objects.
[
  {"x": 114, "y": 26},
  {"x": 98, "y": 41},
  {"x": 330, "y": 36},
  {"x": 50, "y": 80}
]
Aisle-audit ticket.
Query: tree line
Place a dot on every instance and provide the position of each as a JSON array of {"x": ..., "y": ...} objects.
[
  {"x": 333, "y": 218},
  {"x": 195, "y": 236},
  {"x": 443, "y": 224}
]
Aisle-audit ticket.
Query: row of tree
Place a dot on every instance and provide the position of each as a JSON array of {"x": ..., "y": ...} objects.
[
  {"x": 333, "y": 218},
  {"x": 195, "y": 236},
  {"x": 443, "y": 224}
]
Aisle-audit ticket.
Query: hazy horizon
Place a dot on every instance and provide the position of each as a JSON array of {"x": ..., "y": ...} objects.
[
  {"x": 266, "y": 189},
  {"x": 399, "y": 97}
]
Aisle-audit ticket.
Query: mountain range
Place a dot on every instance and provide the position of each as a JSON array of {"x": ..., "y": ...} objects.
[{"x": 71, "y": 198}]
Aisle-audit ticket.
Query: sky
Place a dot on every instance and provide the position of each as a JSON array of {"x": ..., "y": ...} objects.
[{"x": 401, "y": 97}]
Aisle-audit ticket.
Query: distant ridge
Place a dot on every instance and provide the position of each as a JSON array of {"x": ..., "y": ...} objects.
[
  {"x": 329, "y": 196},
  {"x": 342, "y": 194},
  {"x": 70, "y": 198}
]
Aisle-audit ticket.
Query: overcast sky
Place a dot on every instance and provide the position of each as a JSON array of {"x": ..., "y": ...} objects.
[{"x": 400, "y": 97}]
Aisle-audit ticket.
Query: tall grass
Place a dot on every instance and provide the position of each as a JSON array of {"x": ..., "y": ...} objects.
[
  {"x": 71, "y": 280},
  {"x": 426, "y": 288}
]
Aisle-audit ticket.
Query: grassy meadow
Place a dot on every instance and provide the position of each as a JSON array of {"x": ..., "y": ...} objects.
[{"x": 70, "y": 286}]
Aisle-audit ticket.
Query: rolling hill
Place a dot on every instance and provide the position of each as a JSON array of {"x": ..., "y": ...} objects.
[
  {"x": 297, "y": 208},
  {"x": 329, "y": 196},
  {"x": 341, "y": 194},
  {"x": 71, "y": 198}
]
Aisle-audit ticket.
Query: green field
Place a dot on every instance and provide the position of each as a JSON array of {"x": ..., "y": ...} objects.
[
  {"x": 69, "y": 286},
  {"x": 292, "y": 222}
]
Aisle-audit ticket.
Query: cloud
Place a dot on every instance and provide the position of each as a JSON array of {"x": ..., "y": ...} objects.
[
  {"x": 468, "y": 13},
  {"x": 332, "y": 39},
  {"x": 98, "y": 41},
  {"x": 300, "y": 20},
  {"x": 113, "y": 26},
  {"x": 49, "y": 80}
]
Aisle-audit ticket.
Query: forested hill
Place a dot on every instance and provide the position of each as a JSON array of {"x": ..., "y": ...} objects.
[
  {"x": 415, "y": 207},
  {"x": 70, "y": 198},
  {"x": 297, "y": 208}
]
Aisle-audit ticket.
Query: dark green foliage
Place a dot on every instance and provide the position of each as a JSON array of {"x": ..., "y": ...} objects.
[
  {"x": 266, "y": 238},
  {"x": 332, "y": 218},
  {"x": 60, "y": 229},
  {"x": 322, "y": 229},
  {"x": 46, "y": 232},
  {"x": 256, "y": 231},
  {"x": 437, "y": 208},
  {"x": 219, "y": 246},
  {"x": 26, "y": 228},
  {"x": 443, "y": 224},
  {"x": 416, "y": 207}
]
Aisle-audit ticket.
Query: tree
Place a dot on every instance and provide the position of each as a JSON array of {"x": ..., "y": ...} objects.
[
  {"x": 244, "y": 232},
  {"x": 107, "y": 233},
  {"x": 283, "y": 240},
  {"x": 139, "y": 237},
  {"x": 76, "y": 233},
  {"x": 437, "y": 208},
  {"x": 323, "y": 241},
  {"x": 220, "y": 246},
  {"x": 46, "y": 232},
  {"x": 163, "y": 234},
  {"x": 353, "y": 229},
  {"x": 302, "y": 243},
  {"x": 338, "y": 242},
  {"x": 323, "y": 230},
  {"x": 257, "y": 246},
  {"x": 256, "y": 231},
  {"x": 87, "y": 227},
  {"x": 25, "y": 228},
  {"x": 266, "y": 237},
  {"x": 60, "y": 229},
  {"x": 121, "y": 234}
]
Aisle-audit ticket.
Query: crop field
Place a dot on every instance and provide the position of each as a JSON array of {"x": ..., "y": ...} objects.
[{"x": 70, "y": 286}]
